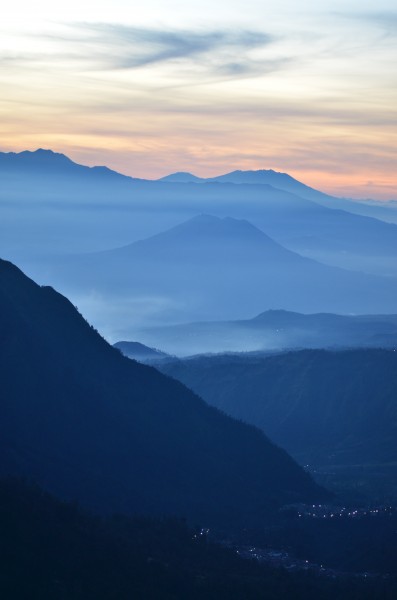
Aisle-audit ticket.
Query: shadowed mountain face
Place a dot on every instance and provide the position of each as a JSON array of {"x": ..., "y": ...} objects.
[
  {"x": 275, "y": 330},
  {"x": 212, "y": 268},
  {"x": 59, "y": 205},
  {"x": 91, "y": 425},
  {"x": 335, "y": 408},
  {"x": 53, "y": 550},
  {"x": 139, "y": 352}
]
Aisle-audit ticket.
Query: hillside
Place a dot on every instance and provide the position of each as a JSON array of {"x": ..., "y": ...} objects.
[
  {"x": 324, "y": 407},
  {"x": 53, "y": 550},
  {"x": 139, "y": 352},
  {"x": 89, "y": 424}
]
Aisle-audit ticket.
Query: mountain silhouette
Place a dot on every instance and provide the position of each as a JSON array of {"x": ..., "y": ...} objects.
[
  {"x": 213, "y": 268},
  {"x": 91, "y": 425},
  {"x": 43, "y": 163},
  {"x": 275, "y": 330},
  {"x": 139, "y": 352},
  {"x": 281, "y": 181},
  {"x": 181, "y": 177},
  {"x": 325, "y": 407},
  {"x": 95, "y": 208}
]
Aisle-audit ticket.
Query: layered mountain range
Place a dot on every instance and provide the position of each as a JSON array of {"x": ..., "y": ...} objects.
[
  {"x": 75, "y": 200},
  {"x": 210, "y": 268}
]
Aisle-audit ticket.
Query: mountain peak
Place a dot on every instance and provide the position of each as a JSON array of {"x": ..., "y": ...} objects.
[
  {"x": 275, "y": 179},
  {"x": 42, "y": 154},
  {"x": 181, "y": 177},
  {"x": 46, "y": 162},
  {"x": 259, "y": 176},
  {"x": 209, "y": 225},
  {"x": 35, "y": 160}
]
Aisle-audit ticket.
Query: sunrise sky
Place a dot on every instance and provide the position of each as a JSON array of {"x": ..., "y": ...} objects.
[{"x": 153, "y": 87}]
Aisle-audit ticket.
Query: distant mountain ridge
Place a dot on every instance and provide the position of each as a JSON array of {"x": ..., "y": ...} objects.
[
  {"x": 211, "y": 268},
  {"x": 90, "y": 425},
  {"x": 276, "y": 330},
  {"x": 47, "y": 214},
  {"x": 284, "y": 181},
  {"x": 47, "y": 163},
  {"x": 276, "y": 179},
  {"x": 61, "y": 207},
  {"x": 181, "y": 177}
]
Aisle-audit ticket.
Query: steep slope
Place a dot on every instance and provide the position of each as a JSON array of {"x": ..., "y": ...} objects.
[
  {"x": 212, "y": 268},
  {"x": 89, "y": 424},
  {"x": 275, "y": 330},
  {"x": 139, "y": 352},
  {"x": 337, "y": 408}
]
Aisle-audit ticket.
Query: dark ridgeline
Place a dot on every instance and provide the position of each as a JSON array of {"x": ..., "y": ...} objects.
[
  {"x": 52, "y": 550},
  {"x": 89, "y": 424},
  {"x": 139, "y": 352},
  {"x": 324, "y": 407}
]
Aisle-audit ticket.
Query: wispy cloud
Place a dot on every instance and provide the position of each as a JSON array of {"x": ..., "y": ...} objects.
[
  {"x": 113, "y": 46},
  {"x": 133, "y": 47},
  {"x": 386, "y": 21},
  {"x": 178, "y": 57}
]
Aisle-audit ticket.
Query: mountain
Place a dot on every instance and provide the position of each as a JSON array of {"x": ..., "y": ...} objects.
[
  {"x": 43, "y": 164},
  {"x": 91, "y": 425},
  {"x": 280, "y": 181},
  {"x": 209, "y": 268},
  {"x": 139, "y": 352},
  {"x": 54, "y": 205},
  {"x": 181, "y": 177},
  {"x": 283, "y": 181},
  {"x": 325, "y": 407},
  {"x": 275, "y": 330}
]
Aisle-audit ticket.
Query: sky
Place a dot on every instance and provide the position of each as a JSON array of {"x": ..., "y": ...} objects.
[{"x": 149, "y": 88}]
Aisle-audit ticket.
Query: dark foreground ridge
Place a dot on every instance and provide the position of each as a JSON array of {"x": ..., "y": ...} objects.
[
  {"x": 52, "y": 550},
  {"x": 87, "y": 423}
]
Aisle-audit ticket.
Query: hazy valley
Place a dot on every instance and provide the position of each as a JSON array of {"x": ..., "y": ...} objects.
[{"x": 262, "y": 462}]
